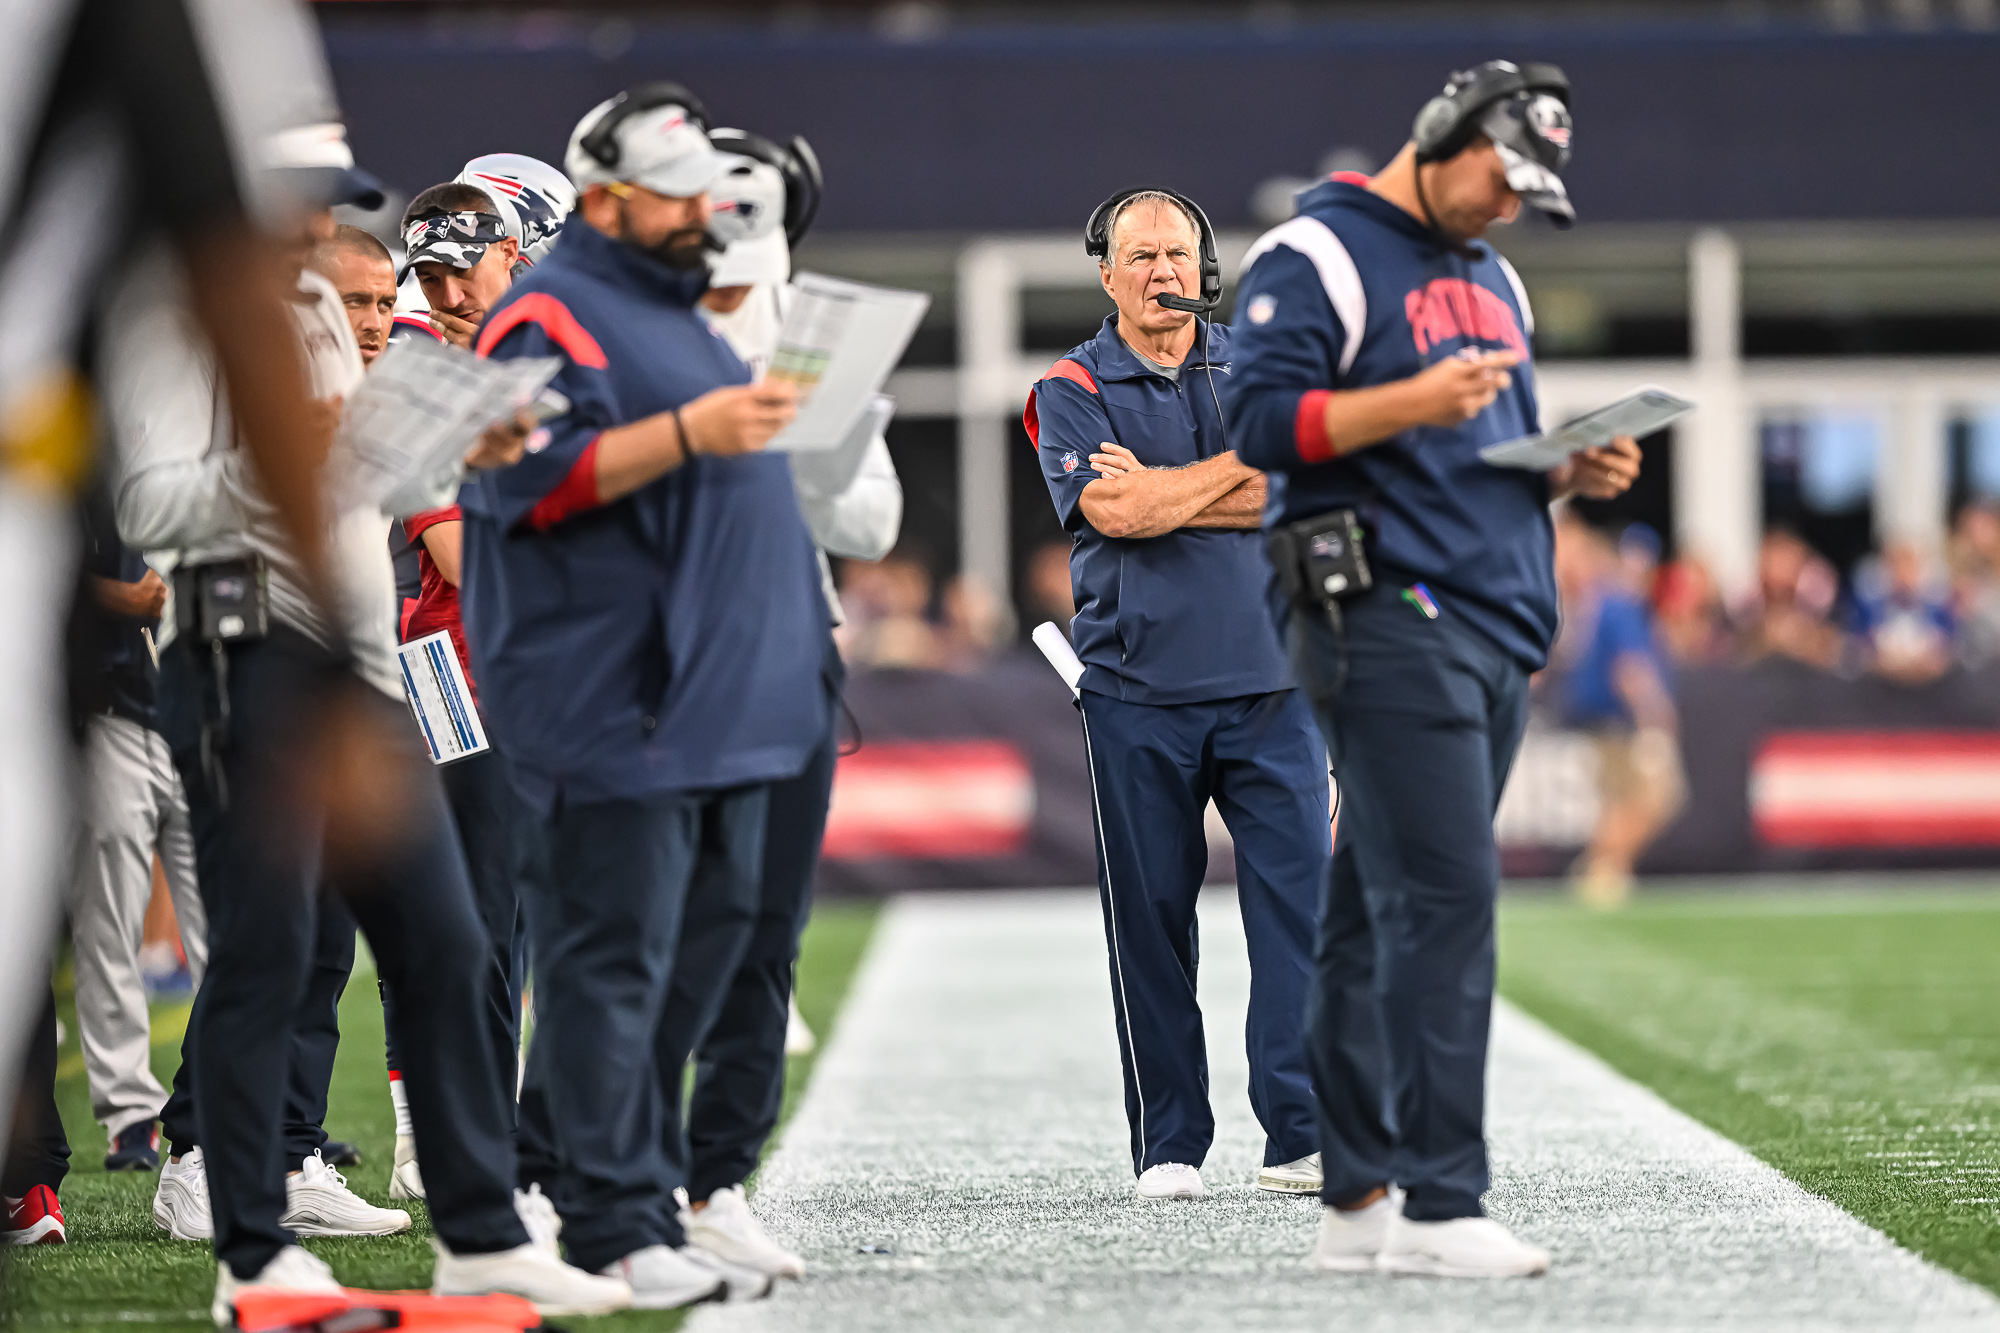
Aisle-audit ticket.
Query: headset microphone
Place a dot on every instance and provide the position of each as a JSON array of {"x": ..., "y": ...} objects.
[{"x": 1185, "y": 304}]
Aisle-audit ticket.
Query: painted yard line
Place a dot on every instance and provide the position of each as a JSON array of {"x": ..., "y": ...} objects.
[{"x": 960, "y": 1163}]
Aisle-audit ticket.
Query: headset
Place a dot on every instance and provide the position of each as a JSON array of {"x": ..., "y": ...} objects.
[
  {"x": 1097, "y": 244},
  {"x": 796, "y": 162},
  {"x": 602, "y": 141},
  {"x": 1448, "y": 121}
]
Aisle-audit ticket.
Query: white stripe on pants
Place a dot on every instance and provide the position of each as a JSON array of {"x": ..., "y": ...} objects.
[{"x": 133, "y": 804}]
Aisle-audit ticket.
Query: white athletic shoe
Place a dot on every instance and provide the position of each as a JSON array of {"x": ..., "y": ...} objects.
[
  {"x": 405, "y": 1181},
  {"x": 799, "y": 1039},
  {"x": 738, "y": 1282},
  {"x": 728, "y": 1229},
  {"x": 1170, "y": 1180},
  {"x": 1350, "y": 1241},
  {"x": 1300, "y": 1177},
  {"x": 665, "y": 1279},
  {"x": 318, "y": 1203},
  {"x": 533, "y": 1274},
  {"x": 538, "y": 1215},
  {"x": 293, "y": 1268},
  {"x": 1460, "y": 1247},
  {"x": 180, "y": 1204}
]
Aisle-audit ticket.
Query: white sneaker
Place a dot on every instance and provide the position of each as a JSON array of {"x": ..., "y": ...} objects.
[
  {"x": 738, "y": 1282},
  {"x": 1300, "y": 1177},
  {"x": 666, "y": 1279},
  {"x": 1170, "y": 1180},
  {"x": 405, "y": 1182},
  {"x": 533, "y": 1274},
  {"x": 180, "y": 1204},
  {"x": 293, "y": 1268},
  {"x": 538, "y": 1215},
  {"x": 1460, "y": 1247},
  {"x": 1350, "y": 1240},
  {"x": 799, "y": 1039},
  {"x": 728, "y": 1229},
  {"x": 318, "y": 1203}
]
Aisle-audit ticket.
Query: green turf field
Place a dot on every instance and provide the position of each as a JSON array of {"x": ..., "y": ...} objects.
[
  {"x": 120, "y": 1271},
  {"x": 1850, "y": 1037}
]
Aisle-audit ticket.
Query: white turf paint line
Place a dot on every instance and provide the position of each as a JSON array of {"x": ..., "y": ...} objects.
[{"x": 967, "y": 1119}]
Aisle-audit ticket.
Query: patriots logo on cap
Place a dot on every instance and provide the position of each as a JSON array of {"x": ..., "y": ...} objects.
[
  {"x": 1069, "y": 463},
  {"x": 1547, "y": 118}
]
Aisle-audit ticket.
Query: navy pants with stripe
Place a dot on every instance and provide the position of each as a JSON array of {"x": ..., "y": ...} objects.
[
  {"x": 1154, "y": 770},
  {"x": 1421, "y": 736}
]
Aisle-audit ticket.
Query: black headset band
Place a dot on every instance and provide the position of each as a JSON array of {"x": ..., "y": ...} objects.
[
  {"x": 602, "y": 141},
  {"x": 1097, "y": 236},
  {"x": 1448, "y": 121},
  {"x": 796, "y": 162}
]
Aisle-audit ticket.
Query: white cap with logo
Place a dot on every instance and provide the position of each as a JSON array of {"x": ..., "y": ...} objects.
[{"x": 662, "y": 147}]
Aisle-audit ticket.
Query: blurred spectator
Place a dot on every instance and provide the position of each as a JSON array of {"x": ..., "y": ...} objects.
[
  {"x": 974, "y": 624},
  {"x": 1906, "y": 628},
  {"x": 1639, "y": 559},
  {"x": 1789, "y": 614},
  {"x": 886, "y": 603},
  {"x": 1050, "y": 596},
  {"x": 1975, "y": 561},
  {"x": 1688, "y": 616},
  {"x": 1611, "y": 681}
]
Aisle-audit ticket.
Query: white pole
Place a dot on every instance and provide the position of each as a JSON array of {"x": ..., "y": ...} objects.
[
  {"x": 1717, "y": 493},
  {"x": 1912, "y": 485},
  {"x": 989, "y": 344}
]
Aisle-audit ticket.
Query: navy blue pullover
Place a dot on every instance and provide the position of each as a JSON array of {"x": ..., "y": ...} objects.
[{"x": 1355, "y": 292}]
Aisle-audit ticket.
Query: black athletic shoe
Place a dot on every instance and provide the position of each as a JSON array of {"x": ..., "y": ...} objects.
[
  {"x": 135, "y": 1149},
  {"x": 335, "y": 1153}
]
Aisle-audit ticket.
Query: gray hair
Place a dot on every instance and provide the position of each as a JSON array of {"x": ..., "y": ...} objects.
[{"x": 1153, "y": 197}]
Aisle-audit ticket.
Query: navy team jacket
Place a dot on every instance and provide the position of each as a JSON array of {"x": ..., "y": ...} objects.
[
  {"x": 670, "y": 639},
  {"x": 1183, "y": 617},
  {"x": 1355, "y": 292}
]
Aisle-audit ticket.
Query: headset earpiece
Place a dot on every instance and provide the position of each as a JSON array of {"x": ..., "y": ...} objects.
[
  {"x": 1448, "y": 121},
  {"x": 602, "y": 141}
]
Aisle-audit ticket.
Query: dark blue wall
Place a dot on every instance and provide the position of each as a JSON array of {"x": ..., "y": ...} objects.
[{"x": 1028, "y": 128}]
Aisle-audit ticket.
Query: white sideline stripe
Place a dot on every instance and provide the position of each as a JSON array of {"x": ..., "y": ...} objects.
[
  {"x": 966, "y": 1115},
  {"x": 1316, "y": 241}
]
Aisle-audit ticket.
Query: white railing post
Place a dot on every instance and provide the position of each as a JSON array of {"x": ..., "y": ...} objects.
[
  {"x": 1717, "y": 491},
  {"x": 989, "y": 345},
  {"x": 1912, "y": 473}
]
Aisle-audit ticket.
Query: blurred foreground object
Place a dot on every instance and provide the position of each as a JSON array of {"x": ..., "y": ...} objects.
[{"x": 121, "y": 118}]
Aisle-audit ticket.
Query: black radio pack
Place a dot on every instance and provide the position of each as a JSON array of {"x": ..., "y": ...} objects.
[
  {"x": 223, "y": 601},
  {"x": 1322, "y": 560}
]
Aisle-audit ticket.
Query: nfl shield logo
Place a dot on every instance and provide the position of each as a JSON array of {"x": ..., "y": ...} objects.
[
  {"x": 1069, "y": 463},
  {"x": 1262, "y": 308}
]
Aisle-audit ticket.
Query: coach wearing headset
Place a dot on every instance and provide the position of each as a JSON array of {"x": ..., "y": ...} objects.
[
  {"x": 1185, "y": 694},
  {"x": 1384, "y": 346}
]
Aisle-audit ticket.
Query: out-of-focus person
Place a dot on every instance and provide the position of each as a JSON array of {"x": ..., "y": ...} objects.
[
  {"x": 761, "y": 206},
  {"x": 251, "y": 678},
  {"x": 129, "y": 126},
  {"x": 134, "y": 807},
  {"x": 1688, "y": 614},
  {"x": 1904, "y": 625},
  {"x": 974, "y": 623},
  {"x": 1789, "y": 612},
  {"x": 887, "y": 606},
  {"x": 1975, "y": 577},
  {"x": 1611, "y": 680},
  {"x": 362, "y": 271},
  {"x": 34, "y": 1157},
  {"x": 644, "y": 607},
  {"x": 1047, "y": 585}
]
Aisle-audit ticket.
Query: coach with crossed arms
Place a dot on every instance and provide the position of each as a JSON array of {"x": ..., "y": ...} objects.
[
  {"x": 1185, "y": 694},
  {"x": 1382, "y": 346}
]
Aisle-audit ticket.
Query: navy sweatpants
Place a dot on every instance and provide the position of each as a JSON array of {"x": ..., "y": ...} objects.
[
  {"x": 739, "y": 1082},
  {"x": 604, "y": 928},
  {"x": 1421, "y": 737},
  {"x": 1153, "y": 772},
  {"x": 260, "y": 881}
]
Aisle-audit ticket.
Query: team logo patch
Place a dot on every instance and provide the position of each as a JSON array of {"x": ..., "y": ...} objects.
[
  {"x": 1069, "y": 462},
  {"x": 1548, "y": 118},
  {"x": 1262, "y": 307}
]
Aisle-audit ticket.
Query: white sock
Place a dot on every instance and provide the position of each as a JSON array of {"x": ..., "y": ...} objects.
[{"x": 402, "y": 1104}]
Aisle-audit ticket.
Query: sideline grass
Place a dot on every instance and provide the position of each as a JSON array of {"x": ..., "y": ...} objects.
[
  {"x": 1851, "y": 1039},
  {"x": 119, "y": 1271}
]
